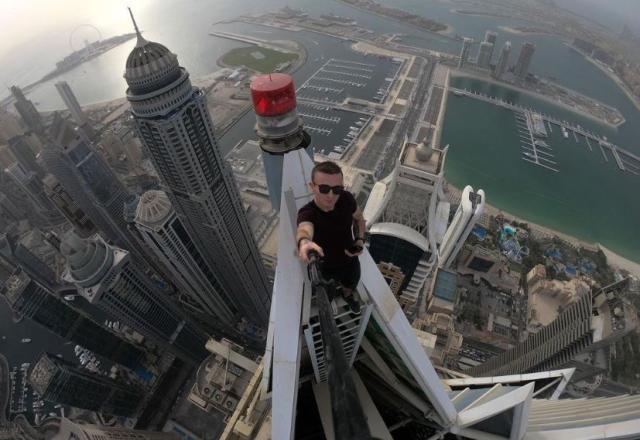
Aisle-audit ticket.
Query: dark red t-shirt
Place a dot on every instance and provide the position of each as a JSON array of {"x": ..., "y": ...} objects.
[{"x": 332, "y": 230}]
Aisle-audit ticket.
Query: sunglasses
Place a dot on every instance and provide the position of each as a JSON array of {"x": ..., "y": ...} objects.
[{"x": 324, "y": 189}]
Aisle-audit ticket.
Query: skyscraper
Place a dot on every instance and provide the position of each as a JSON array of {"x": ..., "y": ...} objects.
[
  {"x": 88, "y": 180},
  {"x": 521, "y": 69},
  {"x": 61, "y": 382},
  {"x": 407, "y": 217},
  {"x": 175, "y": 127},
  {"x": 107, "y": 277},
  {"x": 33, "y": 301},
  {"x": 29, "y": 182},
  {"x": 468, "y": 213},
  {"x": 75, "y": 431},
  {"x": 465, "y": 51},
  {"x": 71, "y": 102},
  {"x": 592, "y": 322},
  {"x": 27, "y": 110},
  {"x": 484, "y": 54},
  {"x": 503, "y": 61},
  {"x": 80, "y": 221},
  {"x": 32, "y": 254},
  {"x": 21, "y": 150},
  {"x": 9, "y": 126},
  {"x": 163, "y": 231},
  {"x": 490, "y": 37}
]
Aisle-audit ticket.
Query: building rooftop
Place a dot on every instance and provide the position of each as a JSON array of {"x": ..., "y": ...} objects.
[
  {"x": 422, "y": 158},
  {"x": 153, "y": 209},
  {"x": 14, "y": 285},
  {"x": 401, "y": 231},
  {"x": 42, "y": 373}
]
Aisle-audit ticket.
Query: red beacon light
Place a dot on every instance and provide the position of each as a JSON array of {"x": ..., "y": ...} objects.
[
  {"x": 279, "y": 128},
  {"x": 273, "y": 94}
]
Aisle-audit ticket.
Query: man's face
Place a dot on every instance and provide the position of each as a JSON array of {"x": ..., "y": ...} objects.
[{"x": 326, "y": 202}]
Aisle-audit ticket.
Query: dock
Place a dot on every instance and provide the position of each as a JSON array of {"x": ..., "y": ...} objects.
[
  {"x": 533, "y": 151},
  {"x": 625, "y": 160}
]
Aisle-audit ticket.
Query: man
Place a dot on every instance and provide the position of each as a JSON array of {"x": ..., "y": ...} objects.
[{"x": 326, "y": 225}]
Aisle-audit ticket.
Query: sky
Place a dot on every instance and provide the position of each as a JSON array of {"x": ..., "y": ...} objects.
[
  {"x": 30, "y": 21},
  {"x": 46, "y": 30}
]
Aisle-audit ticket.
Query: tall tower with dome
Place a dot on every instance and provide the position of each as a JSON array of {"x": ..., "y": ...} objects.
[{"x": 175, "y": 127}]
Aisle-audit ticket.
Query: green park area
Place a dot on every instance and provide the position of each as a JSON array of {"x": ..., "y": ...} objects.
[{"x": 257, "y": 58}]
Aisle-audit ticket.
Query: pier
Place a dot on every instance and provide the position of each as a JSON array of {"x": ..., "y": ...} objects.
[
  {"x": 625, "y": 160},
  {"x": 534, "y": 151}
]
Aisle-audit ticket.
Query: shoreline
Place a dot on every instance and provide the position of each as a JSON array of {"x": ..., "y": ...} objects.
[
  {"x": 511, "y": 30},
  {"x": 443, "y": 33},
  {"x": 612, "y": 75},
  {"x": 458, "y": 73},
  {"x": 613, "y": 259}
]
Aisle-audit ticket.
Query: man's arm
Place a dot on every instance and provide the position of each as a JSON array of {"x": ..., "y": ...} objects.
[
  {"x": 361, "y": 225},
  {"x": 360, "y": 228},
  {"x": 304, "y": 240}
]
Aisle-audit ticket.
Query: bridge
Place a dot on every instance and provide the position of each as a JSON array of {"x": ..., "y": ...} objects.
[{"x": 625, "y": 160}]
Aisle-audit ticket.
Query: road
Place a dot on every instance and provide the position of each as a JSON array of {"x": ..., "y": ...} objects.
[{"x": 409, "y": 122}]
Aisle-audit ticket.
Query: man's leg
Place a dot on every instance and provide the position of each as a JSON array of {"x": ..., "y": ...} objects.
[{"x": 349, "y": 279}]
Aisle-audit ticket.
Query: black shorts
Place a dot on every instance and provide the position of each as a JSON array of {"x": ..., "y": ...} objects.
[{"x": 347, "y": 274}]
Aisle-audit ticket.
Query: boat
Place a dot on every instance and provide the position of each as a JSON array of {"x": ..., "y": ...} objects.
[
  {"x": 541, "y": 143},
  {"x": 69, "y": 297},
  {"x": 458, "y": 93},
  {"x": 25, "y": 340},
  {"x": 565, "y": 133},
  {"x": 526, "y": 153},
  {"x": 537, "y": 125}
]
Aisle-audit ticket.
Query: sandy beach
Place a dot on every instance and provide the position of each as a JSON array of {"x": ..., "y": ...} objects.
[
  {"x": 615, "y": 78},
  {"x": 540, "y": 231}
]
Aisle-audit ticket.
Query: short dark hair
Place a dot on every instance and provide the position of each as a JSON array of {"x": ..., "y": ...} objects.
[{"x": 327, "y": 167}]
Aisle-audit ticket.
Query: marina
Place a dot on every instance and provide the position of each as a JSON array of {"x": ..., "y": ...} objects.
[
  {"x": 336, "y": 101},
  {"x": 534, "y": 150},
  {"x": 624, "y": 159}
]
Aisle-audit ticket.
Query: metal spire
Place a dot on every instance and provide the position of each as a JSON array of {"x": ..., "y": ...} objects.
[{"x": 141, "y": 40}]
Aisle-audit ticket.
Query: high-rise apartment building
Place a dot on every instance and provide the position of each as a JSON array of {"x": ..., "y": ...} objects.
[
  {"x": 109, "y": 278},
  {"x": 407, "y": 217},
  {"x": 59, "y": 381},
  {"x": 593, "y": 321},
  {"x": 521, "y": 69},
  {"x": 485, "y": 51},
  {"x": 71, "y": 102},
  {"x": 91, "y": 184},
  {"x": 465, "y": 51},
  {"x": 33, "y": 254},
  {"x": 21, "y": 149},
  {"x": 75, "y": 431},
  {"x": 9, "y": 126},
  {"x": 33, "y": 301},
  {"x": 469, "y": 211},
  {"x": 27, "y": 110},
  {"x": 29, "y": 182},
  {"x": 164, "y": 232},
  {"x": 503, "y": 61},
  {"x": 80, "y": 221},
  {"x": 175, "y": 127},
  {"x": 490, "y": 37}
]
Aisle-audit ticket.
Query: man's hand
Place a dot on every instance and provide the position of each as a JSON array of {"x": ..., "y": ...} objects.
[
  {"x": 358, "y": 242},
  {"x": 307, "y": 245}
]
